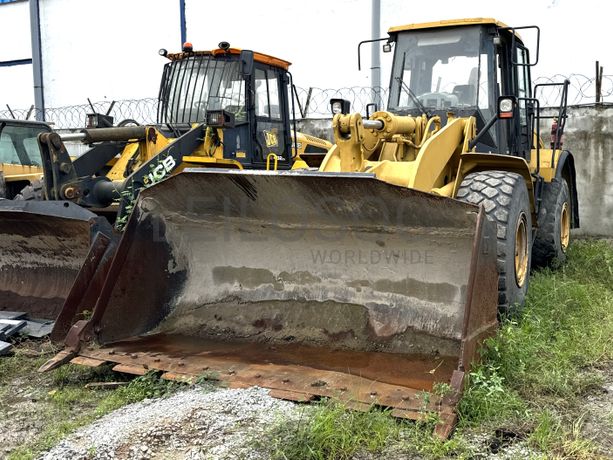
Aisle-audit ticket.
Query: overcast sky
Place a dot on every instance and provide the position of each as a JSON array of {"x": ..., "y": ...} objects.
[{"x": 108, "y": 49}]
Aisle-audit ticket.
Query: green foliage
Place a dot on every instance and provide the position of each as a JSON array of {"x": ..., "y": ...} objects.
[
  {"x": 71, "y": 374},
  {"x": 538, "y": 365},
  {"x": 330, "y": 431},
  {"x": 149, "y": 385},
  {"x": 561, "y": 440}
]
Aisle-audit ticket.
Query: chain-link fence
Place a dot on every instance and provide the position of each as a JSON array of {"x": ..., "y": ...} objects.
[{"x": 310, "y": 102}]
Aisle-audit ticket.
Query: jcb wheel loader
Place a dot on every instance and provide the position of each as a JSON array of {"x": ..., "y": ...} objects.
[
  {"x": 224, "y": 108},
  {"x": 373, "y": 279}
]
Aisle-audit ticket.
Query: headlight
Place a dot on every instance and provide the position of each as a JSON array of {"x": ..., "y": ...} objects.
[
  {"x": 339, "y": 106},
  {"x": 219, "y": 119},
  {"x": 506, "y": 105}
]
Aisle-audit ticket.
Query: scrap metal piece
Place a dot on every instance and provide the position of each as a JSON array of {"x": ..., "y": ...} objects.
[
  {"x": 38, "y": 328},
  {"x": 5, "y": 348},
  {"x": 13, "y": 315},
  {"x": 10, "y": 327}
]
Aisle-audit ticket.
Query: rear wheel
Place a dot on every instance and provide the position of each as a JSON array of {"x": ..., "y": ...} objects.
[
  {"x": 553, "y": 235},
  {"x": 504, "y": 197}
]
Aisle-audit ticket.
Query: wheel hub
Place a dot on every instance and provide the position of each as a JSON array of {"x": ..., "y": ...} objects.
[
  {"x": 564, "y": 227},
  {"x": 521, "y": 250}
]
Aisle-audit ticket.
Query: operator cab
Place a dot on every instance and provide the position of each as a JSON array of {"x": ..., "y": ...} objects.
[
  {"x": 18, "y": 145},
  {"x": 241, "y": 95},
  {"x": 463, "y": 67}
]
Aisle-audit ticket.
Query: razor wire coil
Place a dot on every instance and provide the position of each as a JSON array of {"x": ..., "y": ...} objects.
[{"x": 309, "y": 102}]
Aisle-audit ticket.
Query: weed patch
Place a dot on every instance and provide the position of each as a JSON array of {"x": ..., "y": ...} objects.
[
  {"x": 528, "y": 386},
  {"x": 537, "y": 367},
  {"x": 68, "y": 405}
]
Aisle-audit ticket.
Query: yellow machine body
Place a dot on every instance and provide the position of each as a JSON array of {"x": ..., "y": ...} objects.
[{"x": 360, "y": 275}]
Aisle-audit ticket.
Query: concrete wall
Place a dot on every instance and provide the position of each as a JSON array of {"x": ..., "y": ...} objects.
[{"x": 589, "y": 136}]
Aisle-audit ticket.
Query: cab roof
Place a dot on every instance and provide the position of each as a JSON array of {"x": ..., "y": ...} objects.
[
  {"x": 258, "y": 57},
  {"x": 447, "y": 23}
]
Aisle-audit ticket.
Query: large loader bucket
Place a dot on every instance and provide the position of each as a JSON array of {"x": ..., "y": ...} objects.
[
  {"x": 42, "y": 247},
  {"x": 310, "y": 284}
]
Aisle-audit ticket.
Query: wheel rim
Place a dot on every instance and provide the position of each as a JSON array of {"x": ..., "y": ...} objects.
[
  {"x": 564, "y": 227},
  {"x": 521, "y": 250}
]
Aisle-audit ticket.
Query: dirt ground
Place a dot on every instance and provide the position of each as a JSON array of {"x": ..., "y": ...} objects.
[{"x": 199, "y": 422}]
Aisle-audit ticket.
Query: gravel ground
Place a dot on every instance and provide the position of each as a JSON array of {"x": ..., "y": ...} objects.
[
  {"x": 193, "y": 424},
  {"x": 598, "y": 420},
  {"x": 202, "y": 423}
]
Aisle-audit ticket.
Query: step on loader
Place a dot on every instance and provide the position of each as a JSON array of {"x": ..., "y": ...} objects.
[{"x": 373, "y": 279}]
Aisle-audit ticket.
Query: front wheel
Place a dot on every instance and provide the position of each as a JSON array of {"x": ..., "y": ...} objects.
[{"x": 504, "y": 197}]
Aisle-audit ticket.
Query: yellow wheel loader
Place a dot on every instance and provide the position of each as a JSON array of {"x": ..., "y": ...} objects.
[
  {"x": 225, "y": 108},
  {"x": 373, "y": 279}
]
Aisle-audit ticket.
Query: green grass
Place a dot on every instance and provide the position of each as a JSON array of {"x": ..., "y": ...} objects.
[
  {"x": 329, "y": 431},
  {"x": 536, "y": 369},
  {"x": 530, "y": 380}
]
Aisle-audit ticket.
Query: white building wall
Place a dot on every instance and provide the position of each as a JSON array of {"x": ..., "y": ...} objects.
[
  {"x": 104, "y": 49},
  {"x": 15, "y": 81},
  {"x": 107, "y": 49}
]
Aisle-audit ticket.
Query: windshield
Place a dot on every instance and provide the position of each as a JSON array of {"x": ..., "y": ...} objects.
[
  {"x": 194, "y": 85},
  {"x": 439, "y": 69},
  {"x": 18, "y": 144}
]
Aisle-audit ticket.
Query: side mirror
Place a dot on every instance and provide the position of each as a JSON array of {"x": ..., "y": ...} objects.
[
  {"x": 247, "y": 62},
  {"x": 340, "y": 106},
  {"x": 371, "y": 108},
  {"x": 537, "y": 40},
  {"x": 387, "y": 48},
  {"x": 506, "y": 106}
]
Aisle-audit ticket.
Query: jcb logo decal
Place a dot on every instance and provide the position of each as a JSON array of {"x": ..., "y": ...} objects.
[
  {"x": 271, "y": 138},
  {"x": 158, "y": 173}
]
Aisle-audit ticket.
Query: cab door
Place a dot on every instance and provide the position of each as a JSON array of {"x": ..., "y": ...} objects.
[
  {"x": 524, "y": 94},
  {"x": 272, "y": 133}
]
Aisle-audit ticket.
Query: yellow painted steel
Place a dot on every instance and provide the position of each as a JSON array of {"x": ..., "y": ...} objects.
[
  {"x": 14, "y": 172},
  {"x": 548, "y": 162},
  {"x": 447, "y": 23},
  {"x": 258, "y": 57},
  {"x": 412, "y": 152},
  {"x": 275, "y": 159}
]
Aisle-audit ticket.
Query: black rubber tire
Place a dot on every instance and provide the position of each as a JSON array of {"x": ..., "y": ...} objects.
[
  {"x": 32, "y": 192},
  {"x": 547, "y": 250},
  {"x": 128, "y": 122},
  {"x": 504, "y": 197},
  {"x": 2, "y": 186}
]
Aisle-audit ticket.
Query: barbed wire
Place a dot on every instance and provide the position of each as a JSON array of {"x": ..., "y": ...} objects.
[
  {"x": 581, "y": 89},
  {"x": 310, "y": 102}
]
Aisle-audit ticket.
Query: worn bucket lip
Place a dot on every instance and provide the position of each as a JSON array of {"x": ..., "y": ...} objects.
[
  {"x": 226, "y": 363},
  {"x": 55, "y": 209}
]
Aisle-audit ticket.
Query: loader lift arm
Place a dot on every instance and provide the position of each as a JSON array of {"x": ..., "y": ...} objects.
[{"x": 77, "y": 181}]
